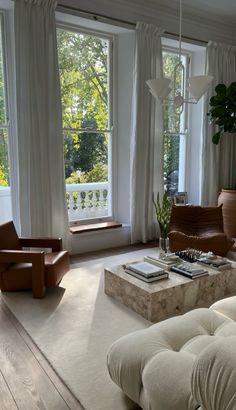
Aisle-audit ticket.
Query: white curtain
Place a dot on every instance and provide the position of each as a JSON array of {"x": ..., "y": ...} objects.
[
  {"x": 146, "y": 134},
  {"x": 218, "y": 161},
  {"x": 42, "y": 197}
]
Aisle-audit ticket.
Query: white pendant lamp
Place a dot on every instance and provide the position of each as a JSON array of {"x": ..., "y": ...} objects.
[
  {"x": 197, "y": 85},
  {"x": 159, "y": 88}
]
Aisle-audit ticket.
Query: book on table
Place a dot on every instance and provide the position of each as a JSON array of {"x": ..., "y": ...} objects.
[
  {"x": 147, "y": 279},
  {"x": 145, "y": 269},
  {"x": 165, "y": 263},
  {"x": 189, "y": 270},
  {"x": 217, "y": 262}
]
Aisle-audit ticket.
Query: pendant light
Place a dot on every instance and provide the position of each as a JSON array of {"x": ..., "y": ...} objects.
[{"x": 197, "y": 85}]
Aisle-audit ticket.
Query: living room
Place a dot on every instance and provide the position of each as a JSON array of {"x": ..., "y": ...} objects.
[{"x": 107, "y": 219}]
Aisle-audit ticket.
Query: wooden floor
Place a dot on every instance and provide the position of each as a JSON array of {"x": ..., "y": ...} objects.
[{"x": 27, "y": 381}]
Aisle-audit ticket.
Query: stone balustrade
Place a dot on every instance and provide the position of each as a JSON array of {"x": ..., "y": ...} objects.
[{"x": 84, "y": 201}]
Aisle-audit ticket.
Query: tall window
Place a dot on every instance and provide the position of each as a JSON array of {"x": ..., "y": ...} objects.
[
  {"x": 4, "y": 131},
  {"x": 175, "y": 126},
  {"x": 85, "y": 77}
]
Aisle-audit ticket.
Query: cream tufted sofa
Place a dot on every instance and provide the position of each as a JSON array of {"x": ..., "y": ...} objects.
[{"x": 183, "y": 363}]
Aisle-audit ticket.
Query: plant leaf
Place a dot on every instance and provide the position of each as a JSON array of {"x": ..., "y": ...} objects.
[{"x": 216, "y": 138}]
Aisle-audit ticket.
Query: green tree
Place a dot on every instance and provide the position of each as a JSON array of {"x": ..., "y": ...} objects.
[
  {"x": 83, "y": 75},
  {"x": 99, "y": 173},
  {"x": 171, "y": 122},
  {"x": 3, "y": 181},
  {"x": 4, "y": 164},
  {"x": 83, "y": 64}
]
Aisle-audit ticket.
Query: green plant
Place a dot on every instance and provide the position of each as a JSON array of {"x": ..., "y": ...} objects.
[
  {"x": 163, "y": 212},
  {"x": 223, "y": 110}
]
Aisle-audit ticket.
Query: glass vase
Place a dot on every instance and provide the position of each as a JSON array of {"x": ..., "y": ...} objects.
[{"x": 163, "y": 247}]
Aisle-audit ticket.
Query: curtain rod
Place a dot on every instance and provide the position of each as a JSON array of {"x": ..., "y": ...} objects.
[{"x": 96, "y": 16}]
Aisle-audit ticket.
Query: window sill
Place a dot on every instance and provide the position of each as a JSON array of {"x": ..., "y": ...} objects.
[{"x": 94, "y": 227}]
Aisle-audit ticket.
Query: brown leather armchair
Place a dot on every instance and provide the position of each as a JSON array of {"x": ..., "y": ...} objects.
[
  {"x": 198, "y": 227},
  {"x": 22, "y": 269}
]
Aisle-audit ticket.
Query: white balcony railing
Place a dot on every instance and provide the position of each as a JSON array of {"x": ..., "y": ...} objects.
[
  {"x": 5, "y": 204},
  {"x": 86, "y": 201},
  {"x": 83, "y": 201}
]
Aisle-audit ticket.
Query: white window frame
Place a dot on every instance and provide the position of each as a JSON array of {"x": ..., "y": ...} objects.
[{"x": 78, "y": 28}]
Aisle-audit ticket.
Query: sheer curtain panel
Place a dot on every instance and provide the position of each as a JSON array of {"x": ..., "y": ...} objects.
[
  {"x": 218, "y": 161},
  {"x": 42, "y": 206},
  {"x": 146, "y": 134}
]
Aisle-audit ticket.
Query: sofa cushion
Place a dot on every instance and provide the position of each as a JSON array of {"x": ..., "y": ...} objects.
[
  {"x": 226, "y": 307},
  {"x": 214, "y": 375},
  {"x": 154, "y": 366}
]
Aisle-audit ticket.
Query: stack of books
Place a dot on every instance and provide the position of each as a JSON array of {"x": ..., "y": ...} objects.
[
  {"x": 190, "y": 270},
  {"x": 215, "y": 262},
  {"x": 146, "y": 271},
  {"x": 166, "y": 262}
]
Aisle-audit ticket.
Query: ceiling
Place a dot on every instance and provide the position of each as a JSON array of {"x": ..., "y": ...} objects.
[{"x": 215, "y": 9}]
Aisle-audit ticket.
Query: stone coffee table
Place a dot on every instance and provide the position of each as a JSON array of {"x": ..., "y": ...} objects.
[{"x": 168, "y": 297}]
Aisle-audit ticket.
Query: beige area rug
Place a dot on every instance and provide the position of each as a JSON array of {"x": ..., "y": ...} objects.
[{"x": 74, "y": 327}]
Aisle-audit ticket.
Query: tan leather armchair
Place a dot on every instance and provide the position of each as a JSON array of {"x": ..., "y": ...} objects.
[
  {"x": 198, "y": 227},
  {"x": 22, "y": 269}
]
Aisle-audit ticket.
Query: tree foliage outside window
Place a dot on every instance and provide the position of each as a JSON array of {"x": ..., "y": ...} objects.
[
  {"x": 83, "y": 65},
  {"x": 171, "y": 127}
]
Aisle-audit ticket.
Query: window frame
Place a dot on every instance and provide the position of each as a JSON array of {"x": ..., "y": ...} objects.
[{"x": 78, "y": 28}]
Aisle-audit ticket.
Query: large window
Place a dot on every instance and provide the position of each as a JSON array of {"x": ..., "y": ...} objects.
[
  {"x": 4, "y": 131},
  {"x": 175, "y": 126},
  {"x": 86, "y": 85}
]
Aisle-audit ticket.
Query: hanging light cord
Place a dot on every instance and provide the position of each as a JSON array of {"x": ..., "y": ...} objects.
[{"x": 180, "y": 28}]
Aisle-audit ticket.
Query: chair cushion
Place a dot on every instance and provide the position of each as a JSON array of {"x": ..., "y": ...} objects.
[
  {"x": 219, "y": 243},
  {"x": 56, "y": 265},
  {"x": 19, "y": 275},
  {"x": 8, "y": 240}
]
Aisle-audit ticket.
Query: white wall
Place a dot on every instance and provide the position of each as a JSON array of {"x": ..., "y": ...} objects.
[{"x": 125, "y": 57}]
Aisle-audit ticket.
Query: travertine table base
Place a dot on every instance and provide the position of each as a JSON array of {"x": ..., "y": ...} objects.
[{"x": 168, "y": 297}]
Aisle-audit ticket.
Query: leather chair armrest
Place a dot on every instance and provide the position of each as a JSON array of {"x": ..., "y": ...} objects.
[
  {"x": 37, "y": 260},
  {"x": 55, "y": 244}
]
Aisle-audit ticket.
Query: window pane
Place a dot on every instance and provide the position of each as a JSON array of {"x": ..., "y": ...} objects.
[
  {"x": 174, "y": 124},
  {"x": 86, "y": 156},
  {"x": 83, "y": 65},
  {"x": 171, "y": 164}
]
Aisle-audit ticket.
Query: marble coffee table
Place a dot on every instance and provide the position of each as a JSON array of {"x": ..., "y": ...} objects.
[{"x": 168, "y": 297}]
